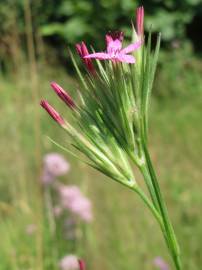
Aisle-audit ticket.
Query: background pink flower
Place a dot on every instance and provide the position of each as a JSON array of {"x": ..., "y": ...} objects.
[
  {"x": 68, "y": 194},
  {"x": 83, "y": 208},
  {"x": 54, "y": 165},
  {"x": 73, "y": 200},
  {"x": 69, "y": 262}
]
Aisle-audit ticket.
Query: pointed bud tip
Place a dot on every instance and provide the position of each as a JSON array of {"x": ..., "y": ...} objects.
[
  {"x": 140, "y": 21},
  {"x": 82, "y": 51},
  {"x": 63, "y": 95},
  {"x": 52, "y": 112}
]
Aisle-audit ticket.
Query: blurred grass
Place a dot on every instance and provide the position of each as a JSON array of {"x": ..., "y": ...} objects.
[{"x": 123, "y": 235}]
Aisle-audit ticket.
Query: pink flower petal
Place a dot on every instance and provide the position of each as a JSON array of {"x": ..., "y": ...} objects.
[
  {"x": 132, "y": 47},
  {"x": 114, "y": 46},
  {"x": 108, "y": 39},
  {"x": 99, "y": 56},
  {"x": 126, "y": 58},
  {"x": 112, "y": 36}
]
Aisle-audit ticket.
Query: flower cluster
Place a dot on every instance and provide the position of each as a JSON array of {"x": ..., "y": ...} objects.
[
  {"x": 70, "y": 197},
  {"x": 71, "y": 262},
  {"x": 112, "y": 113},
  {"x": 109, "y": 117},
  {"x": 54, "y": 165},
  {"x": 73, "y": 200}
]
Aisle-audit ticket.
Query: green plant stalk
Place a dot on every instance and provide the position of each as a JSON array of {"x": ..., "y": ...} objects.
[
  {"x": 134, "y": 187},
  {"x": 157, "y": 216},
  {"x": 148, "y": 172}
]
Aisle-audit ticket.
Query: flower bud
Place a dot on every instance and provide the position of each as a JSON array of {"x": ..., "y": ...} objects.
[
  {"x": 82, "y": 265},
  {"x": 83, "y": 51},
  {"x": 140, "y": 21},
  {"x": 63, "y": 95},
  {"x": 52, "y": 112}
]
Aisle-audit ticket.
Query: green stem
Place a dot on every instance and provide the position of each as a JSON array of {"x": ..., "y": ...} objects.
[
  {"x": 148, "y": 172},
  {"x": 148, "y": 183},
  {"x": 148, "y": 203}
]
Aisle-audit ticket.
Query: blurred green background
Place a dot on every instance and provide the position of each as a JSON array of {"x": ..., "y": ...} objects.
[{"x": 34, "y": 37}]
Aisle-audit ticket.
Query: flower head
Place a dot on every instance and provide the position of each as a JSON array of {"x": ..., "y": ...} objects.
[
  {"x": 114, "y": 51},
  {"x": 69, "y": 194},
  {"x": 76, "y": 202},
  {"x": 63, "y": 95},
  {"x": 82, "y": 207},
  {"x": 69, "y": 262},
  {"x": 55, "y": 165}
]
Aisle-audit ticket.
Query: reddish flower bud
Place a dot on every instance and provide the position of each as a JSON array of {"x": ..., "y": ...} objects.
[
  {"x": 52, "y": 112},
  {"x": 82, "y": 265},
  {"x": 63, "y": 95},
  {"x": 140, "y": 21},
  {"x": 83, "y": 51}
]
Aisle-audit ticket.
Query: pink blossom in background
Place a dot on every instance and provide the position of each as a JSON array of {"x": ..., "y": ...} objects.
[
  {"x": 82, "y": 207},
  {"x": 73, "y": 200},
  {"x": 69, "y": 262},
  {"x": 69, "y": 194},
  {"x": 114, "y": 51},
  {"x": 54, "y": 165},
  {"x": 160, "y": 263}
]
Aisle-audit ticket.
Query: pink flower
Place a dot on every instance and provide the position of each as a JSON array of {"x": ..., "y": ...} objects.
[
  {"x": 140, "y": 21},
  {"x": 63, "y": 95},
  {"x": 76, "y": 202},
  {"x": 52, "y": 112},
  {"x": 69, "y": 194},
  {"x": 82, "y": 207},
  {"x": 69, "y": 262},
  {"x": 55, "y": 165},
  {"x": 115, "y": 52},
  {"x": 160, "y": 263},
  {"x": 83, "y": 51}
]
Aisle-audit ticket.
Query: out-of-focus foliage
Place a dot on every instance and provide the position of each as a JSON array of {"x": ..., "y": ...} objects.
[
  {"x": 70, "y": 20},
  {"x": 179, "y": 72}
]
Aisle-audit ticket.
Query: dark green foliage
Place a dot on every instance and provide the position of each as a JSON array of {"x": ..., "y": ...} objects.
[{"x": 70, "y": 21}]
